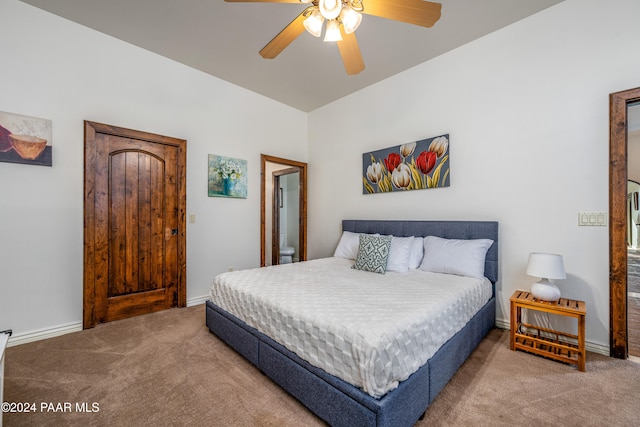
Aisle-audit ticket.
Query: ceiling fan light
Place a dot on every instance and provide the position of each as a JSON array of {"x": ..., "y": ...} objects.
[
  {"x": 350, "y": 20},
  {"x": 330, "y": 9},
  {"x": 332, "y": 34},
  {"x": 306, "y": 1},
  {"x": 313, "y": 24}
]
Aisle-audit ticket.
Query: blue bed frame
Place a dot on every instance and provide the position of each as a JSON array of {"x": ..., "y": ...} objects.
[{"x": 340, "y": 403}]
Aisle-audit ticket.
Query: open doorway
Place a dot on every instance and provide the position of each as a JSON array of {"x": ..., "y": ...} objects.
[
  {"x": 621, "y": 320},
  {"x": 285, "y": 236},
  {"x": 633, "y": 225},
  {"x": 283, "y": 216}
]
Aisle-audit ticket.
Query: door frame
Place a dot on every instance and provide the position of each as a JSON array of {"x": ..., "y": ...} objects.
[
  {"x": 618, "y": 175},
  {"x": 302, "y": 211},
  {"x": 92, "y": 248}
]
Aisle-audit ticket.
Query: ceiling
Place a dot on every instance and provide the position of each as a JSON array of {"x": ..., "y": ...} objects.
[{"x": 223, "y": 39}]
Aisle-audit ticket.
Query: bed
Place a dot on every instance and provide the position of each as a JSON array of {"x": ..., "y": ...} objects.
[{"x": 332, "y": 395}]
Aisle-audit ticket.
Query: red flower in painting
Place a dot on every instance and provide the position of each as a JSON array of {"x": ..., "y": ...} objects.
[
  {"x": 426, "y": 161},
  {"x": 392, "y": 161}
]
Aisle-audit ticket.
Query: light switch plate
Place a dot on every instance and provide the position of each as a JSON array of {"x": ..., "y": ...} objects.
[{"x": 592, "y": 218}]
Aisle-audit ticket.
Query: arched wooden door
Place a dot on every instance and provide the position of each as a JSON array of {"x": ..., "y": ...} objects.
[{"x": 134, "y": 223}]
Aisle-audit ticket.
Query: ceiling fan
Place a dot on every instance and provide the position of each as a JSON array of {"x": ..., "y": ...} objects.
[{"x": 343, "y": 18}]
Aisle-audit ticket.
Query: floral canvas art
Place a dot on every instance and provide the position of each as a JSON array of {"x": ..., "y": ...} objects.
[
  {"x": 227, "y": 177},
  {"x": 411, "y": 166}
]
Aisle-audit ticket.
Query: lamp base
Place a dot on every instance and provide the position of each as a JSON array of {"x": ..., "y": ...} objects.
[{"x": 545, "y": 290}]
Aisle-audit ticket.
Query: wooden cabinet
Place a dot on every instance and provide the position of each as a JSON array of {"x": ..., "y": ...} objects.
[{"x": 547, "y": 342}]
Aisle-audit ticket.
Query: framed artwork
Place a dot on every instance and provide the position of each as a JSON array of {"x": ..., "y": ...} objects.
[
  {"x": 227, "y": 177},
  {"x": 25, "y": 139},
  {"x": 412, "y": 166}
]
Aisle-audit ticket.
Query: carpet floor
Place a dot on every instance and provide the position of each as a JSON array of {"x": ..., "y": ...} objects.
[{"x": 166, "y": 368}]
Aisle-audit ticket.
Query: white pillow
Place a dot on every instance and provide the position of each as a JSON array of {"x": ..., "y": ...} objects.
[
  {"x": 461, "y": 257},
  {"x": 417, "y": 251},
  {"x": 348, "y": 245},
  {"x": 399, "y": 254}
]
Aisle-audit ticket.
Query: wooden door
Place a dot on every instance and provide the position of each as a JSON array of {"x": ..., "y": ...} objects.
[{"x": 135, "y": 203}]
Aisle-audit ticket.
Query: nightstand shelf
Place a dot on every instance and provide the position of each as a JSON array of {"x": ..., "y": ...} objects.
[{"x": 547, "y": 342}]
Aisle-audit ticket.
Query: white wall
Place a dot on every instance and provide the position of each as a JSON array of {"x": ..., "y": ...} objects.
[
  {"x": 52, "y": 68},
  {"x": 527, "y": 111}
]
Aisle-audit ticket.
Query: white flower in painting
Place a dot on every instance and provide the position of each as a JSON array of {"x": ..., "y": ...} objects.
[
  {"x": 228, "y": 168},
  {"x": 401, "y": 176},
  {"x": 374, "y": 172},
  {"x": 407, "y": 149},
  {"x": 439, "y": 146}
]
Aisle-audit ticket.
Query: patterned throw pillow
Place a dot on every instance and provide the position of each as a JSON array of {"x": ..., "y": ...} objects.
[{"x": 373, "y": 253}]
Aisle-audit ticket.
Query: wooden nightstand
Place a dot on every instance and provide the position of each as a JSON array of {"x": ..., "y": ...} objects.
[{"x": 544, "y": 341}]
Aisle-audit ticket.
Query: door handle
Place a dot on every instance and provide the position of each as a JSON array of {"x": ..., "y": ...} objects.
[{"x": 168, "y": 232}]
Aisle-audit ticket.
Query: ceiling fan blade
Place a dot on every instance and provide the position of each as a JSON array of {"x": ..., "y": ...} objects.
[
  {"x": 284, "y": 37},
  {"x": 263, "y": 1},
  {"x": 417, "y": 12},
  {"x": 350, "y": 52}
]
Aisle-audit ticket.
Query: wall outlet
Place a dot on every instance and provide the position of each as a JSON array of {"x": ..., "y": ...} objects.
[{"x": 231, "y": 268}]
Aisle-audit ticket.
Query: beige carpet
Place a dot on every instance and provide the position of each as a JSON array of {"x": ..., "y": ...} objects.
[{"x": 167, "y": 369}]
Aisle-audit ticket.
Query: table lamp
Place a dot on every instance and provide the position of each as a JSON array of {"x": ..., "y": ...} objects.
[{"x": 545, "y": 266}]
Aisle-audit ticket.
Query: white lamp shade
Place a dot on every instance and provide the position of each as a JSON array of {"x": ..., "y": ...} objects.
[
  {"x": 350, "y": 20},
  {"x": 330, "y": 9},
  {"x": 545, "y": 266},
  {"x": 313, "y": 24},
  {"x": 332, "y": 33}
]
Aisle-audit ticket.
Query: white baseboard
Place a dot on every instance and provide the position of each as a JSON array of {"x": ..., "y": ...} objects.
[
  {"x": 197, "y": 300},
  {"x": 42, "y": 334},
  {"x": 596, "y": 348}
]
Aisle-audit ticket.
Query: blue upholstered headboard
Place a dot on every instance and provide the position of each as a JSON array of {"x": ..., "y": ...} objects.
[{"x": 444, "y": 229}]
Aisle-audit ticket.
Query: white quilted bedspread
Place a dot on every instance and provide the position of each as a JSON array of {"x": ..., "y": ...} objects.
[{"x": 371, "y": 330}]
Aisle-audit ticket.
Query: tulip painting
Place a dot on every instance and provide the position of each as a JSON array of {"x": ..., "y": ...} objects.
[{"x": 411, "y": 166}]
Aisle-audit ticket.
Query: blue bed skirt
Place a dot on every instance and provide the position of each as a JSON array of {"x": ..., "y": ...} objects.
[{"x": 334, "y": 400}]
